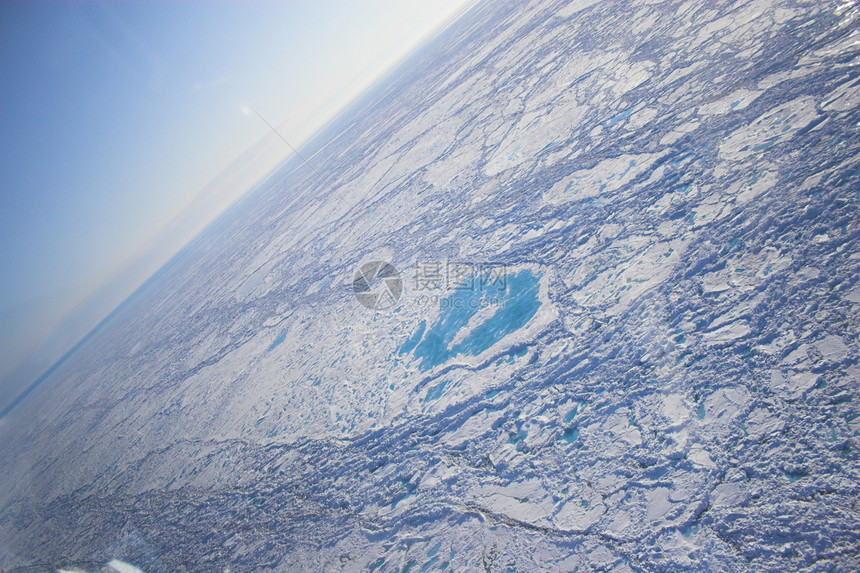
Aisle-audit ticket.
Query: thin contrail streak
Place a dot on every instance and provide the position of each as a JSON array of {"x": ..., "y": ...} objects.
[
  {"x": 296, "y": 151},
  {"x": 299, "y": 155}
]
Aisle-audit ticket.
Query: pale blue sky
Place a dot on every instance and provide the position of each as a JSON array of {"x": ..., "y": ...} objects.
[{"x": 114, "y": 117}]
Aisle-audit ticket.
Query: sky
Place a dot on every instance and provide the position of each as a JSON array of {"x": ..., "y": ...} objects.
[{"x": 122, "y": 136}]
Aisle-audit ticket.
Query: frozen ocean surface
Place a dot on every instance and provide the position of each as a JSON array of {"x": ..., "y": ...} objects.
[{"x": 658, "y": 371}]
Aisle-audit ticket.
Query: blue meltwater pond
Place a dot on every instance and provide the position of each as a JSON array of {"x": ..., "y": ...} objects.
[{"x": 514, "y": 308}]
